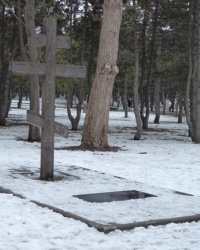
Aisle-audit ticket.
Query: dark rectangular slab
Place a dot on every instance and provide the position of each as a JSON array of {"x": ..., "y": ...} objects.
[{"x": 114, "y": 196}]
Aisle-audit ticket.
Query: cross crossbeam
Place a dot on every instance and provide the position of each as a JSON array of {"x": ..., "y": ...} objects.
[{"x": 62, "y": 70}]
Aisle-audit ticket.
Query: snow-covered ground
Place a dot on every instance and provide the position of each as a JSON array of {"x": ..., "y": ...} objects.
[{"x": 164, "y": 160}]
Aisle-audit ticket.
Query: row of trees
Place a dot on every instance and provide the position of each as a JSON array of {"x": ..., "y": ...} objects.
[{"x": 158, "y": 58}]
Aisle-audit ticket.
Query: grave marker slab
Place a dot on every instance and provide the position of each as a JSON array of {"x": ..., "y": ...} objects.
[{"x": 114, "y": 196}]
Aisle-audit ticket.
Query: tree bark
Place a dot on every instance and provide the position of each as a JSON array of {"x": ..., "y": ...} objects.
[{"x": 95, "y": 131}]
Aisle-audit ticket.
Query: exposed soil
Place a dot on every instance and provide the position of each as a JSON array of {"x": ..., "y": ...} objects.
[{"x": 89, "y": 148}]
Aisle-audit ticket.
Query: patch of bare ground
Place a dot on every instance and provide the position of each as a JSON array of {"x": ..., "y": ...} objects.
[
  {"x": 16, "y": 123},
  {"x": 157, "y": 130},
  {"x": 89, "y": 148}
]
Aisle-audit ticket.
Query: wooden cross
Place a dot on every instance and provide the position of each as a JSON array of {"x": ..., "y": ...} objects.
[{"x": 50, "y": 70}]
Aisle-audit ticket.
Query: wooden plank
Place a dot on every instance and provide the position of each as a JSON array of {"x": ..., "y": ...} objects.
[
  {"x": 61, "y": 129},
  {"x": 35, "y": 119},
  {"x": 39, "y": 40},
  {"x": 38, "y": 121},
  {"x": 28, "y": 68},
  {"x": 62, "y": 70}
]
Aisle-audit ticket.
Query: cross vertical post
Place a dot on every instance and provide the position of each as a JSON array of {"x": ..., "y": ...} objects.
[{"x": 47, "y": 132}]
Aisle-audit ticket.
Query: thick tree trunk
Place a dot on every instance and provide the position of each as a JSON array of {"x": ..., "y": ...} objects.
[{"x": 95, "y": 131}]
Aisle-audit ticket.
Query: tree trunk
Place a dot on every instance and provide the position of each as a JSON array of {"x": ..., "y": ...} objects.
[
  {"x": 172, "y": 99},
  {"x": 7, "y": 52},
  {"x": 164, "y": 103},
  {"x": 20, "y": 93},
  {"x": 180, "y": 107},
  {"x": 157, "y": 101},
  {"x": 150, "y": 63},
  {"x": 95, "y": 130},
  {"x": 34, "y": 132},
  {"x": 143, "y": 66},
  {"x": 157, "y": 88},
  {"x": 136, "y": 105},
  {"x": 5, "y": 99},
  {"x": 189, "y": 78},
  {"x": 125, "y": 97},
  {"x": 136, "y": 99},
  {"x": 22, "y": 48},
  {"x": 193, "y": 82}
]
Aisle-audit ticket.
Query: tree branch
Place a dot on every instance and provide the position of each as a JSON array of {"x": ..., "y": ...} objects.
[
  {"x": 13, "y": 4},
  {"x": 13, "y": 12},
  {"x": 39, "y": 6}
]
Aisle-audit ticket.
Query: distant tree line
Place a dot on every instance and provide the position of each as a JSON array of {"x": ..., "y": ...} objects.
[{"x": 158, "y": 57}]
